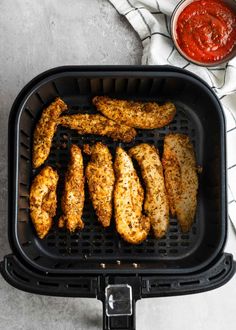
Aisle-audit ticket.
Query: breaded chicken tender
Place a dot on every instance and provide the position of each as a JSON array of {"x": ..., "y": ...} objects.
[
  {"x": 181, "y": 179},
  {"x": 156, "y": 204},
  {"x": 144, "y": 115},
  {"x": 44, "y": 131},
  {"x": 131, "y": 224},
  {"x": 101, "y": 179},
  {"x": 99, "y": 125},
  {"x": 43, "y": 200},
  {"x": 73, "y": 196}
]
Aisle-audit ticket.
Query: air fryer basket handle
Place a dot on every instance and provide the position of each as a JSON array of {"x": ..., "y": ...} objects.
[
  {"x": 119, "y": 295},
  {"x": 123, "y": 322}
]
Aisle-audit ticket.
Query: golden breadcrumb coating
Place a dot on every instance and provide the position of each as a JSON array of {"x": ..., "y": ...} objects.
[
  {"x": 144, "y": 115},
  {"x": 101, "y": 179},
  {"x": 156, "y": 203},
  {"x": 99, "y": 125},
  {"x": 72, "y": 202},
  {"x": 181, "y": 179},
  {"x": 44, "y": 131},
  {"x": 131, "y": 224},
  {"x": 43, "y": 200}
]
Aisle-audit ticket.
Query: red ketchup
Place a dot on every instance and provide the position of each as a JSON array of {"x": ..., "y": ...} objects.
[{"x": 206, "y": 30}]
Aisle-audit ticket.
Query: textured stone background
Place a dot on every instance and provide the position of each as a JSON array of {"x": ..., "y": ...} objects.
[{"x": 38, "y": 35}]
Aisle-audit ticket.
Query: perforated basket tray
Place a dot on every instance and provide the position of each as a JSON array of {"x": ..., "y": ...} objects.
[{"x": 99, "y": 250}]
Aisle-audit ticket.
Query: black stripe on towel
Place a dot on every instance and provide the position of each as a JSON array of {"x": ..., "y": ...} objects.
[
  {"x": 141, "y": 15},
  {"x": 133, "y": 9},
  {"x": 155, "y": 33},
  {"x": 224, "y": 76},
  {"x": 152, "y": 12},
  {"x": 216, "y": 69},
  {"x": 220, "y": 98},
  {"x": 227, "y": 65},
  {"x": 232, "y": 129},
  {"x": 217, "y": 87},
  {"x": 232, "y": 166},
  {"x": 172, "y": 50},
  {"x": 158, "y": 6},
  {"x": 231, "y": 66},
  {"x": 145, "y": 22},
  {"x": 185, "y": 66},
  {"x": 230, "y": 190},
  {"x": 233, "y": 225},
  {"x": 167, "y": 26},
  {"x": 232, "y": 114}
]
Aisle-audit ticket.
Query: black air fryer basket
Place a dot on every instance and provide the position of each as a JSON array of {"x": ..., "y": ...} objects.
[{"x": 96, "y": 262}]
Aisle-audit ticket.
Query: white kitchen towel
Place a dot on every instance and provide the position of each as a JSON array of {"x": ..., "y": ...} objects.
[{"x": 151, "y": 20}]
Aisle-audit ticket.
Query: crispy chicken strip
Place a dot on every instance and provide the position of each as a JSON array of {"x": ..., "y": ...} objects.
[
  {"x": 44, "y": 131},
  {"x": 156, "y": 203},
  {"x": 43, "y": 200},
  {"x": 72, "y": 202},
  {"x": 145, "y": 115},
  {"x": 181, "y": 179},
  {"x": 101, "y": 179},
  {"x": 99, "y": 125},
  {"x": 131, "y": 224}
]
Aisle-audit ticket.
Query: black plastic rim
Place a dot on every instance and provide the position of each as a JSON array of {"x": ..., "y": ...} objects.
[{"x": 13, "y": 122}]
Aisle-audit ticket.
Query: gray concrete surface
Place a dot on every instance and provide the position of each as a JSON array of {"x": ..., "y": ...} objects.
[{"x": 38, "y": 35}]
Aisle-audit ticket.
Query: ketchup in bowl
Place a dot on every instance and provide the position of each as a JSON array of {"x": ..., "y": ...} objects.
[{"x": 205, "y": 30}]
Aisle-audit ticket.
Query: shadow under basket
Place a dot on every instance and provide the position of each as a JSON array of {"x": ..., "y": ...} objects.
[{"x": 96, "y": 262}]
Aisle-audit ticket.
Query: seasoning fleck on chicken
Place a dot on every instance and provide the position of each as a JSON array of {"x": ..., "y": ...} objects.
[
  {"x": 73, "y": 195},
  {"x": 144, "y": 115},
  {"x": 101, "y": 179},
  {"x": 181, "y": 178},
  {"x": 156, "y": 204},
  {"x": 131, "y": 224},
  {"x": 44, "y": 131},
  {"x": 99, "y": 125},
  {"x": 43, "y": 200}
]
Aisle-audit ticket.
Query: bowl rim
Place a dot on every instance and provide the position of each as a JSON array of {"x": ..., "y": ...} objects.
[{"x": 173, "y": 21}]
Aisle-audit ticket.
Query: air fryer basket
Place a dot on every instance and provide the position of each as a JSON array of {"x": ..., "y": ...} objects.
[{"x": 108, "y": 267}]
